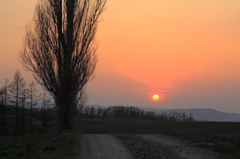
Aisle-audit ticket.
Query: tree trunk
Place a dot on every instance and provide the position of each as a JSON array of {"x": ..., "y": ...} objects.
[{"x": 64, "y": 113}]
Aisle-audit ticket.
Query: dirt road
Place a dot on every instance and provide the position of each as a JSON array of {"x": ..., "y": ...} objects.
[{"x": 97, "y": 146}]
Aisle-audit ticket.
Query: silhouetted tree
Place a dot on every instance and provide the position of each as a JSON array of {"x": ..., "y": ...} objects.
[
  {"x": 1, "y": 91},
  {"x": 15, "y": 89},
  {"x": 33, "y": 99},
  {"x": 2, "y": 111},
  {"x": 183, "y": 116},
  {"x": 190, "y": 118},
  {"x": 23, "y": 104},
  {"x": 44, "y": 111},
  {"x": 80, "y": 110},
  {"x": 99, "y": 112},
  {"x": 4, "y": 102},
  {"x": 59, "y": 49},
  {"x": 92, "y": 112},
  {"x": 82, "y": 99}
]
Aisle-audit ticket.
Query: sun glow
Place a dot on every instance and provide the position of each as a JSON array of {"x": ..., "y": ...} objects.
[{"x": 155, "y": 97}]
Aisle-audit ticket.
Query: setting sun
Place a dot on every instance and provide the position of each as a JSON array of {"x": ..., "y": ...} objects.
[{"x": 155, "y": 97}]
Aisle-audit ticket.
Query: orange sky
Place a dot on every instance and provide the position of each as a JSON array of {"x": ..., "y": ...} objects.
[{"x": 186, "y": 51}]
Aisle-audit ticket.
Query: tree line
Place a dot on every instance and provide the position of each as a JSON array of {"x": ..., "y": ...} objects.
[
  {"x": 133, "y": 112},
  {"x": 19, "y": 110}
]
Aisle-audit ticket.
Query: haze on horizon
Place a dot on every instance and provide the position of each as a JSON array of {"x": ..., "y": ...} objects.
[{"x": 187, "y": 52}]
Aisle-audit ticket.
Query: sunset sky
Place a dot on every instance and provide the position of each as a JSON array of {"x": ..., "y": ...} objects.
[{"x": 186, "y": 51}]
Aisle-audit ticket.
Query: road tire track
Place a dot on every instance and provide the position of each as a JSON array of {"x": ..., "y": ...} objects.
[{"x": 99, "y": 146}]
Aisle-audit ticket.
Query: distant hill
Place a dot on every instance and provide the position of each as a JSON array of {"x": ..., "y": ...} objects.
[{"x": 202, "y": 114}]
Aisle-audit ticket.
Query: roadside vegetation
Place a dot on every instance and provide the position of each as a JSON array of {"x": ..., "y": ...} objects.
[
  {"x": 61, "y": 147},
  {"x": 39, "y": 146},
  {"x": 12, "y": 147}
]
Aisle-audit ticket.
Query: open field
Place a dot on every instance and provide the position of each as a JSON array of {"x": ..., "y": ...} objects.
[
  {"x": 134, "y": 126},
  {"x": 221, "y": 137},
  {"x": 128, "y": 135}
]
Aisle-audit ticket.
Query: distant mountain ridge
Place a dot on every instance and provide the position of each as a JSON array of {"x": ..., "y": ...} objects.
[{"x": 205, "y": 114}]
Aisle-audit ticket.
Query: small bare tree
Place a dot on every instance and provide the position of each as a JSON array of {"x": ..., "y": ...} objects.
[
  {"x": 33, "y": 98},
  {"x": 4, "y": 104},
  {"x": 15, "y": 89},
  {"x": 23, "y": 103},
  {"x": 2, "y": 91},
  {"x": 2, "y": 112},
  {"x": 59, "y": 50},
  {"x": 45, "y": 117},
  {"x": 82, "y": 99}
]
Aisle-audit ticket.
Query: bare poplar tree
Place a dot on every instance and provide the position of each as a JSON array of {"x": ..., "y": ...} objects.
[{"x": 59, "y": 50}]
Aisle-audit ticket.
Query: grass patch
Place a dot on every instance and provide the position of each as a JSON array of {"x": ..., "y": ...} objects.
[
  {"x": 61, "y": 147},
  {"x": 19, "y": 146}
]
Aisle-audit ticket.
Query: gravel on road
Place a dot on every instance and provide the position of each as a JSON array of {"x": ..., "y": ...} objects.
[{"x": 180, "y": 147}]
